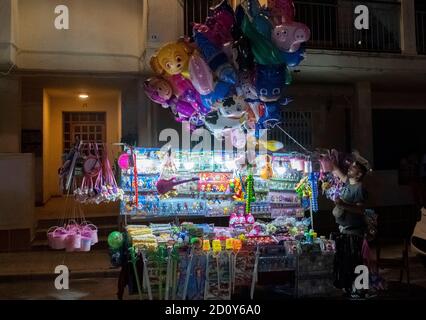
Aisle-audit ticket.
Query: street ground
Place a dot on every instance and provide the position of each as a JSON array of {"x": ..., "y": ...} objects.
[{"x": 30, "y": 276}]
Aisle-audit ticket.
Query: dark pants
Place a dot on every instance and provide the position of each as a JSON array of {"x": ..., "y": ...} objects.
[{"x": 348, "y": 256}]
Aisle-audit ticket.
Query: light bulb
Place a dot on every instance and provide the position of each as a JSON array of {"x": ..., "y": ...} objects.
[
  {"x": 230, "y": 165},
  {"x": 281, "y": 169},
  {"x": 188, "y": 165},
  {"x": 218, "y": 159}
]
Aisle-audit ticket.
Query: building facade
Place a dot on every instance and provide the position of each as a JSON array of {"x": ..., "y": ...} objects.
[{"x": 350, "y": 80}]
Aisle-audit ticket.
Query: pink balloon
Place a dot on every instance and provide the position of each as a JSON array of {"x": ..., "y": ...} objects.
[
  {"x": 180, "y": 84},
  {"x": 185, "y": 91},
  {"x": 158, "y": 90},
  {"x": 123, "y": 161},
  {"x": 217, "y": 28},
  {"x": 200, "y": 75},
  {"x": 288, "y": 36},
  {"x": 281, "y": 11}
]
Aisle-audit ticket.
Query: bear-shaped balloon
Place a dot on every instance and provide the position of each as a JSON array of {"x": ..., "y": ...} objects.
[{"x": 172, "y": 58}]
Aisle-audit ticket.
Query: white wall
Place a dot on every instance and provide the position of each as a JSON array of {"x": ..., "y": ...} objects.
[{"x": 104, "y": 35}]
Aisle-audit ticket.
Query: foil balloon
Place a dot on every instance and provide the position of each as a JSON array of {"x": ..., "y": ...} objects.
[
  {"x": 244, "y": 56},
  {"x": 263, "y": 50},
  {"x": 238, "y": 138},
  {"x": 289, "y": 36},
  {"x": 281, "y": 11},
  {"x": 271, "y": 117},
  {"x": 272, "y": 145},
  {"x": 233, "y": 107},
  {"x": 158, "y": 90},
  {"x": 200, "y": 75},
  {"x": 216, "y": 59},
  {"x": 219, "y": 126},
  {"x": 220, "y": 25},
  {"x": 245, "y": 86},
  {"x": 124, "y": 161},
  {"x": 293, "y": 59},
  {"x": 172, "y": 58},
  {"x": 115, "y": 240},
  {"x": 185, "y": 91},
  {"x": 260, "y": 20},
  {"x": 269, "y": 82},
  {"x": 221, "y": 91}
]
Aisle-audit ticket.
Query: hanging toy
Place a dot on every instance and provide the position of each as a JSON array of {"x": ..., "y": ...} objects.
[
  {"x": 267, "y": 173},
  {"x": 164, "y": 186},
  {"x": 313, "y": 182},
  {"x": 249, "y": 192},
  {"x": 233, "y": 219},
  {"x": 238, "y": 191},
  {"x": 168, "y": 166}
]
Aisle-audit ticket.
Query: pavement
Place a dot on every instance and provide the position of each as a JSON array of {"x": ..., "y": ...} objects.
[
  {"x": 30, "y": 275},
  {"x": 40, "y": 265}
]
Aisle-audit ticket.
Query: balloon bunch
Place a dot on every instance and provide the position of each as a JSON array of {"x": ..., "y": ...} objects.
[{"x": 231, "y": 75}]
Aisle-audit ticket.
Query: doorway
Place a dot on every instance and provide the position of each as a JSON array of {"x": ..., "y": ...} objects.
[{"x": 88, "y": 126}]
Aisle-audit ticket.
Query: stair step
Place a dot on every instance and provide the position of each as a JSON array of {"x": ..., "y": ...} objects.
[{"x": 97, "y": 221}]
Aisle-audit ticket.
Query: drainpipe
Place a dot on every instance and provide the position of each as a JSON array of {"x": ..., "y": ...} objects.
[
  {"x": 408, "y": 27},
  {"x": 144, "y": 35}
]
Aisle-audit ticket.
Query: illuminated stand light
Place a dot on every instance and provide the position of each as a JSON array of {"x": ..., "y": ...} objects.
[
  {"x": 230, "y": 165},
  {"x": 281, "y": 169},
  {"x": 188, "y": 165}
]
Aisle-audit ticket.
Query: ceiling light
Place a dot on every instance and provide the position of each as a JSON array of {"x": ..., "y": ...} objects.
[{"x": 83, "y": 96}]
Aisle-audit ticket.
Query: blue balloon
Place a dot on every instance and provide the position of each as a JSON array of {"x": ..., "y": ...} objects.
[
  {"x": 270, "y": 81},
  {"x": 221, "y": 91},
  {"x": 216, "y": 59},
  {"x": 260, "y": 20},
  {"x": 293, "y": 59}
]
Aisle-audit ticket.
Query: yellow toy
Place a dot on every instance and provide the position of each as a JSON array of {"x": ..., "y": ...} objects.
[
  {"x": 172, "y": 58},
  {"x": 266, "y": 172}
]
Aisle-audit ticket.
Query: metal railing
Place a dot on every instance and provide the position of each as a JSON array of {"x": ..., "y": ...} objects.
[
  {"x": 420, "y": 31},
  {"x": 298, "y": 124},
  {"x": 331, "y": 23},
  {"x": 195, "y": 11}
]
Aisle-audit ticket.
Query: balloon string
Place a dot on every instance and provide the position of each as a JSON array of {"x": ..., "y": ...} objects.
[{"x": 294, "y": 140}]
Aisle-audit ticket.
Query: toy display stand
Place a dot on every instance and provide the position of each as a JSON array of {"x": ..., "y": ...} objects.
[{"x": 218, "y": 276}]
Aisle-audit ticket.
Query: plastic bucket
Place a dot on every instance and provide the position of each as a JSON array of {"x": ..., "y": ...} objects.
[
  {"x": 73, "y": 241},
  {"x": 91, "y": 231},
  {"x": 50, "y": 235},
  {"x": 57, "y": 238},
  {"x": 86, "y": 243}
]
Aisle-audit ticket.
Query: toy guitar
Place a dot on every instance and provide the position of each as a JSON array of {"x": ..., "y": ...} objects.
[{"x": 164, "y": 186}]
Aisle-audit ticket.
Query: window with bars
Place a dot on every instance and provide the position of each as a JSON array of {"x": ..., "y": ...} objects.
[
  {"x": 88, "y": 126},
  {"x": 298, "y": 124}
]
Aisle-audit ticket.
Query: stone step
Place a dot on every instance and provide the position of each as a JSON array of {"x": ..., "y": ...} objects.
[
  {"x": 97, "y": 221},
  {"x": 40, "y": 265}
]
